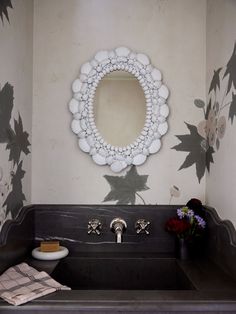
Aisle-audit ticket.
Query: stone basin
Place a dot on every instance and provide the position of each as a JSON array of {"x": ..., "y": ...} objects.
[{"x": 121, "y": 273}]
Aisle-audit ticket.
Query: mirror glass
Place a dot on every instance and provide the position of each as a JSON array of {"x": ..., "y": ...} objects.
[{"x": 119, "y": 108}]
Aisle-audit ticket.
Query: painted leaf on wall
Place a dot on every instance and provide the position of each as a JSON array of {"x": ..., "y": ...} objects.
[
  {"x": 231, "y": 70},
  {"x": 4, "y": 5},
  {"x": 6, "y": 105},
  {"x": 198, "y": 148},
  {"x": 124, "y": 188},
  {"x": 232, "y": 108},
  {"x": 18, "y": 142},
  {"x": 15, "y": 198},
  {"x": 215, "y": 82}
]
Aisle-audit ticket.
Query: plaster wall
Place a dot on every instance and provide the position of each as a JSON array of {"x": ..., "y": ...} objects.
[{"x": 66, "y": 35}]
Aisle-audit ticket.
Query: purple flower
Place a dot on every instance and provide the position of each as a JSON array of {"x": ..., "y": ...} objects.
[
  {"x": 180, "y": 213},
  {"x": 185, "y": 212},
  {"x": 190, "y": 213},
  {"x": 201, "y": 222}
]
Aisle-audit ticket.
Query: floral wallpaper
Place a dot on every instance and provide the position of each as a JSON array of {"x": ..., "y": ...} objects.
[
  {"x": 204, "y": 139},
  {"x": 201, "y": 143},
  {"x": 14, "y": 144}
]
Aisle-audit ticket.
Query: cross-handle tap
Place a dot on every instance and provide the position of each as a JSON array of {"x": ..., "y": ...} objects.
[
  {"x": 94, "y": 226},
  {"x": 118, "y": 226},
  {"x": 141, "y": 226}
]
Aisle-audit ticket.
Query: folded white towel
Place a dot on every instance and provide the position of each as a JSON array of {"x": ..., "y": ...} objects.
[{"x": 22, "y": 283}]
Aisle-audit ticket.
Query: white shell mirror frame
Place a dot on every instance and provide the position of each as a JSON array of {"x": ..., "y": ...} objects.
[{"x": 81, "y": 106}]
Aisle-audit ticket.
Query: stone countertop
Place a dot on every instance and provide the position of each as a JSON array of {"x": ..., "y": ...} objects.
[{"x": 215, "y": 293}]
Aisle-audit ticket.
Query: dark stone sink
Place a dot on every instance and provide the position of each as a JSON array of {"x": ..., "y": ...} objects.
[{"x": 116, "y": 273}]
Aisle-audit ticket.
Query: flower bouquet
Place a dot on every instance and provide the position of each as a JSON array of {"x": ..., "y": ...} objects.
[{"x": 188, "y": 224}]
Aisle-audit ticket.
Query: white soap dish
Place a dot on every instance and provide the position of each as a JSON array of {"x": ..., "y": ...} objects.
[{"x": 50, "y": 256}]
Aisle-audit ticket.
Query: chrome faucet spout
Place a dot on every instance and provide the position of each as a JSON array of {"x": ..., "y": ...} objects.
[{"x": 118, "y": 226}]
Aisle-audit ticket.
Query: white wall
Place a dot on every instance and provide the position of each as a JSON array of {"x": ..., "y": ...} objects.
[
  {"x": 16, "y": 52},
  {"x": 67, "y": 34},
  {"x": 221, "y": 37}
]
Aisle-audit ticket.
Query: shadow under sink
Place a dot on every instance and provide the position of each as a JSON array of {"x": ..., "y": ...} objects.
[{"x": 121, "y": 273}]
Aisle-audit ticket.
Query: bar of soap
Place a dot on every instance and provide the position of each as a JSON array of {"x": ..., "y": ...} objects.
[{"x": 49, "y": 246}]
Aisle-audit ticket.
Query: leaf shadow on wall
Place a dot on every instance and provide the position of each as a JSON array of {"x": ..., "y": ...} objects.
[
  {"x": 124, "y": 189},
  {"x": 16, "y": 142}
]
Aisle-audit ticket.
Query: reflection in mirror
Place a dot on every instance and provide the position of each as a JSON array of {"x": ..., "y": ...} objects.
[{"x": 119, "y": 108}]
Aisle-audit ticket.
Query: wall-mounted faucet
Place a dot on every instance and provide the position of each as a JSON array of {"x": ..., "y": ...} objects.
[{"x": 118, "y": 226}]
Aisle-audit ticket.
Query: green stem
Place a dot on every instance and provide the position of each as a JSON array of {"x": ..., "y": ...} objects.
[
  {"x": 140, "y": 197},
  {"x": 204, "y": 112}
]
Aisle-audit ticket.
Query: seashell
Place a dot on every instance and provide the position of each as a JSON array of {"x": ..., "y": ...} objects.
[
  {"x": 89, "y": 132},
  {"x": 83, "y": 77},
  {"x": 101, "y": 55},
  {"x": 119, "y": 157},
  {"x": 77, "y": 116},
  {"x": 84, "y": 146},
  {"x": 154, "y": 127},
  {"x": 78, "y": 96},
  {"x": 157, "y": 84},
  {"x": 149, "y": 68},
  {"x": 122, "y": 51},
  {"x": 161, "y": 119},
  {"x": 90, "y": 141},
  {"x": 76, "y": 85},
  {"x": 85, "y": 97},
  {"x": 161, "y": 101},
  {"x": 145, "y": 152},
  {"x": 142, "y": 58},
  {"x": 75, "y": 126},
  {"x": 104, "y": 63},
  {"x": 129, "y": 160},
  {"x": 86, "y": 68},
  {"x": 83, "y": 124},
  {"x": 94, "y": 63},
  {"x": 164, "y": 110},
  {"x": 139, "y": 159},
  {"x": 81, "y": 106},
  {"x": 156, "y": 75},
  {"x": 157, "y": 135},
  {"x": 74, "y": 105},
  {"x": 111, "y": 54},
  {"x": 84, "y": 88},
  {"x": 82, "y": 134},
  {"x": 99, "y": 160},
  {"x": 109, "y": 160},
  {"x": 163, "y": 91},
  {"x": 93, "y": 151},
  {"x": 132, "y": 56},
  {"x": 162, "y": 128},
  {"x": 117, "y": 166},
  {"x": 155, "y": 146},
  {"x": 148, "y": 142},
  {"x": 102, "y": 152}
]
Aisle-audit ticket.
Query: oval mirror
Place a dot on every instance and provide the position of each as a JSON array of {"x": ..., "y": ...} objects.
[
  {"x": 87, "y": 124},
  {"x": 119, "y": 108}
]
